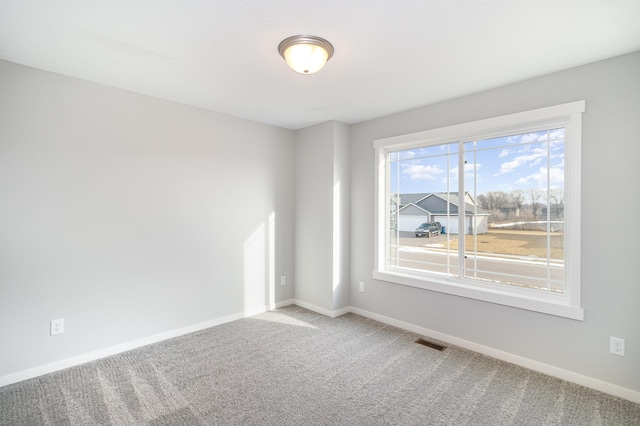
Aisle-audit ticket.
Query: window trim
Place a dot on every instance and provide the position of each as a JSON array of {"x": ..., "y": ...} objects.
[{"x": 568, "y": 115}]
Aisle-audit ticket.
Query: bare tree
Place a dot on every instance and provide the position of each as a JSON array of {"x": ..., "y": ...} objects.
[
  {"x": 534, "y": 198},
  {"x": 556, "y": 201},
  {"x": 483, "y": 202},
  {"x": 494, "y": 202},
  {"x": 496, "y": 216},
  {"x": 517, "y": 198}
]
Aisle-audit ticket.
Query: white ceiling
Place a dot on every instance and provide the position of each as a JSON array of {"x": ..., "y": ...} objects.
[{"x": 390, "y": 56}]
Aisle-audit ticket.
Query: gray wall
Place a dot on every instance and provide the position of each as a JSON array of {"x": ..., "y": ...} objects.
[
  {"x": 314, "y": 220},
  {"x": 322, "y": 216},
  {"x": 610, "y": 276},
  {"x": 130, "y": 216}
]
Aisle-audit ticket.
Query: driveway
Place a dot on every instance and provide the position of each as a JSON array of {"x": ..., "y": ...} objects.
[{"x": 410, "y": 239}]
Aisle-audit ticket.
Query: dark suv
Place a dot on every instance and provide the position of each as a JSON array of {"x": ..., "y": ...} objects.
[{"x": 428, "y": 229}]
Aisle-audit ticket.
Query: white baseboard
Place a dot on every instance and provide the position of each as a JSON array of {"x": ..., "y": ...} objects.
[
  {"x": 549, "y": 370},
  {"x": 323, "y": 311},
  {"x": 113, "y": 350},
  {"x": 284, "y": 303}
]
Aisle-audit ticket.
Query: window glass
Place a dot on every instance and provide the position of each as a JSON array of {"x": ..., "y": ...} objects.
[
  {"x": 515, "y": 234},
  {"x": 486, "y": 216}
]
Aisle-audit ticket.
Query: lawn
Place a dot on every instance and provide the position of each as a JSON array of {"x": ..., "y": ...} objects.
[{"x": 515, "y": 242}]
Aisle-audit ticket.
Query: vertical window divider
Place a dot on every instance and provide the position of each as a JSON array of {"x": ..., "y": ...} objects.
[
  {"x": 548, "y": 227},
  {"x": 461, "y": 218},
  {"x": 397, "y": 233},
  {"x": 474, "y": 217},
  {"x": 448, "y": 210}
]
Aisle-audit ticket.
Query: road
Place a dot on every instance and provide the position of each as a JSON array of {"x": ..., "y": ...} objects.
[{"x": 430, "y": 254}]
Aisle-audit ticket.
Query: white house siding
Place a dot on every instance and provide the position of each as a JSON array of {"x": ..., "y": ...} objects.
[
  {"x": 452, "y": 224},
  {"x": 482, "y": 223}
]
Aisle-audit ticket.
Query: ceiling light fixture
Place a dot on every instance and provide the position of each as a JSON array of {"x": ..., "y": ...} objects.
[{"x": 305, "y": 54}]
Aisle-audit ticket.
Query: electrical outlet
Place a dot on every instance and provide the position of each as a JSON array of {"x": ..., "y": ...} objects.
[
  {"x": 361, "y": 286},
  {"x": 616, "y": 346},
  {"x": 283, "y": 280},
  {"x": 57, "y": 326}
]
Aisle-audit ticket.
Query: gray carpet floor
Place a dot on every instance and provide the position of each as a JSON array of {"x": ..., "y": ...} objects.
[{"x": 296, "y": 367}]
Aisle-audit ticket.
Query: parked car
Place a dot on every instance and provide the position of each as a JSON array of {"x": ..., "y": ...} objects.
[{"x": 428, "y": 229}]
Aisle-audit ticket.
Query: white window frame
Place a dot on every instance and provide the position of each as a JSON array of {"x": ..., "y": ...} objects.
[{"x": 565, "y": 305}]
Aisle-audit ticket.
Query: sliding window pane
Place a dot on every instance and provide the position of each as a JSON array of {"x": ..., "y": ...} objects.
[
  {"x": 516, "y": 220},
  {"x": 420, "y": 208}
]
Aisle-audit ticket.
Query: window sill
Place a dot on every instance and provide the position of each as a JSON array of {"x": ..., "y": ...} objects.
[{"x": 551, "y": 305}]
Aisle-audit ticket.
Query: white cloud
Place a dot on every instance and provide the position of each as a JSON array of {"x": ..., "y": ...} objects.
[
  {"x": 555, "y": 136},
  {"x": 504, "y": 153},
  {"x": 506, "y": 187},
  {"x": 556, "y": 176},
  {"x": 408, "y": 154},
  {"x": 421, "y": 172},
  {"x": 530, "y": 137},
  {"x": 534, "y": 157},
  {"x": 469, "y": 171}
]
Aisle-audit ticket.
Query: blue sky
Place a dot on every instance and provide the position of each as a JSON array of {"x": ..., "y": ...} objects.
[{"x": 524, "y": 161}]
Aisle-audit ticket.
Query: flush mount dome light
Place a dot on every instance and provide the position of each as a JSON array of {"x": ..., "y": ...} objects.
[{"x": 305, "y": 54}]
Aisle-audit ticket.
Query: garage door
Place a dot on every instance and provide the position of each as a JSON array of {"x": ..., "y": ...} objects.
[
  {"x": 410, "y": 223},
  {"x": 451, "y": 226}
]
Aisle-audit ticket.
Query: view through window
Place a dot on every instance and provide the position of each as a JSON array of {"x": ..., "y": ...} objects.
[
  {"x": 505, "y": 217},
  {"x": 488, "y": 209}
]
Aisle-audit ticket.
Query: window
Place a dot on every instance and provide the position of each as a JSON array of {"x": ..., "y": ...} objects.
[{"x": 488, "y": 210}]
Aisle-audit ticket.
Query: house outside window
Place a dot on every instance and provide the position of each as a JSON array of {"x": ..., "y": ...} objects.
[{"x": 503, "y": 198}]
